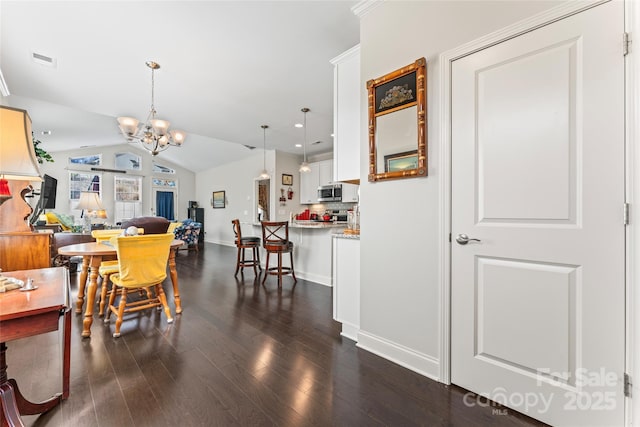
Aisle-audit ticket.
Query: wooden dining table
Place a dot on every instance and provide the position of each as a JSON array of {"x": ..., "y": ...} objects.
[{"x": 92, "y": 255}]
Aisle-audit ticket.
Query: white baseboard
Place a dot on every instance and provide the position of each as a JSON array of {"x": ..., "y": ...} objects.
[
  {"x": 418, "y": 362},
  {"x": 350, "y": 331},
  {"x": 316, "y": 278}
]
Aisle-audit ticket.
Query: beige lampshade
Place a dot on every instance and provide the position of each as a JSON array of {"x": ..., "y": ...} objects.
[
  {"x": 90, "y": 201},
  {"x": 17, "y": 155}
]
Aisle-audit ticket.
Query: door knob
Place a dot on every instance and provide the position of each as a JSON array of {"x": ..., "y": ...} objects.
[{"x": 463, "y": 239}]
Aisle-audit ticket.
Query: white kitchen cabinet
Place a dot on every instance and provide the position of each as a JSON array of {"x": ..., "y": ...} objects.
[
  {"x": 346, "y": 285},
  {"x": 309, "y": 185},
  {"x": 346, "y": 115},
  {"x": 350, "y": 193},
  {"x": 325, "y": 172},
  {"x": 321, "y": 174}
]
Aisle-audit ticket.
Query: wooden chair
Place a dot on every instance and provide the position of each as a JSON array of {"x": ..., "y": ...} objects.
[
  {"x": 107, "y": 267},
  {"x": 244, "y": 243},
  {"x": 275, "y": 239},
  {"x": 142, "y": 263}
]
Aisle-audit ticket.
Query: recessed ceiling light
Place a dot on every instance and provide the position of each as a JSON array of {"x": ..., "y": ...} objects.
[
  {"x": 331, "y": 135},
  {"x": 298, "y": 125},
  {"x": 298, "y": 145},
  {"x": 46, "y": 132}
]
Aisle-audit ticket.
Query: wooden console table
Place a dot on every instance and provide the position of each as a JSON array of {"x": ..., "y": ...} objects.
[{"x": 24, "y": 314}]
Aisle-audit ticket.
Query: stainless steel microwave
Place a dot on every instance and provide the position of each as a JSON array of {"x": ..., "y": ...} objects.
[{"x": 330, "y": 193}]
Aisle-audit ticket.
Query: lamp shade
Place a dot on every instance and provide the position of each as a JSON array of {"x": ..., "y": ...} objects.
[
  {"x": 90, "y": 201},
  {"x": 17, "y": 155}
]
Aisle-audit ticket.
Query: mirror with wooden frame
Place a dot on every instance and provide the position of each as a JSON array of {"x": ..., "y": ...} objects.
[{"x": 397, "y": 129}]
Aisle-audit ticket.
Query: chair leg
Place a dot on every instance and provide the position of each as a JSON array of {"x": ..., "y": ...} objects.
[
  {"x": 111, "y": 307},
  {"x": 103, "y": 294},
  {"x": 293, "y": 273},
  {"x": 258, "y": 257},
  {"x": 279, "y": 270},
  {"x": 266, "y": 269},
  {"x": 253, "y": 254},
  {"x": 237, "y": 262},
  {"x": 163, "y": 299},
  {"x": 121, "y": 307}
]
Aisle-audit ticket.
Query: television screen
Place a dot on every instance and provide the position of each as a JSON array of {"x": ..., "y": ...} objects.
[{"x": 48, "y": 192}]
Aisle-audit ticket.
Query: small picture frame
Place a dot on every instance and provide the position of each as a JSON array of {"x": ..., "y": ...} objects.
[
  {"x": 399, "y": 162},
  {"x": 287, "y": 179},
  {"x": 218, "y": 201}
]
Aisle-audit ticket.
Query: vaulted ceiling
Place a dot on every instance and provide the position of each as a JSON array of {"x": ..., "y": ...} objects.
[{"x": 227, "y": 67}]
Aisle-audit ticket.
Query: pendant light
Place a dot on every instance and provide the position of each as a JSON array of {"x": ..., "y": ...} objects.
[
  {"x": 304, "y": 166},
  {"x": 264, "y": 174}
]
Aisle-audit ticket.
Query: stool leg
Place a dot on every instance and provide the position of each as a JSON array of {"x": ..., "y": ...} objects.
[
  {"x": 293, "y": 273},
  {"x": 237, "y": 262},
  {"x": 279, "y": 270},
  {"x": 253, "y": 253},
  {"x": 266, "y": 269},
  {"x": 258, "y": 256}
]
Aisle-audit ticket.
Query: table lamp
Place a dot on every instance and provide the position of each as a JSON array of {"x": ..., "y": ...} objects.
[
  {"x": 91, "y": 204},
  {"x": 18, "y": 166}
]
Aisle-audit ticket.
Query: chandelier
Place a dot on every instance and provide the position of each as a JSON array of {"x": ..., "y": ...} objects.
[{"x": 154, "y": 134}]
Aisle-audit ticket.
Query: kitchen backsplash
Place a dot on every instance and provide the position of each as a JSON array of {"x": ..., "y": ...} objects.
[{"x": 321, "y": 207}]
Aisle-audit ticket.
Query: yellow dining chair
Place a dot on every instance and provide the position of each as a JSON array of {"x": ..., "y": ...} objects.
[
  {"x": 108, "y": 267},
  {"x": 142, "y": 263},
  {"x": 173, "y": 226}
]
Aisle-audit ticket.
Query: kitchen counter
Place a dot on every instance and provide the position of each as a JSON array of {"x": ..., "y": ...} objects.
[
  {"x": 317, "y": 224},
  {"x": 346, "y": 236},
  {"x": 312, "y": 251}
]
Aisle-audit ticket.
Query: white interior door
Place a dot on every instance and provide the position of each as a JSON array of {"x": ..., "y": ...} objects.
[{"x": 538, "y": 177}]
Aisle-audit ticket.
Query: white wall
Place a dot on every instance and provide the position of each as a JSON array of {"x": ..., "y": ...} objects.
[
  {"x": 400, "y": 310},
  {"x": 60, "y": 168},
  {"x": 237, "y": 179}
]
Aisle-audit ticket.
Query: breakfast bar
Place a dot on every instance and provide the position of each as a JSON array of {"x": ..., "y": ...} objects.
[{"x": 312, "y": 242}]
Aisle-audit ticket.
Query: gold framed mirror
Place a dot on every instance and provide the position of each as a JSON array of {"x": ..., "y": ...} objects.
[{"x": 397, "y": 123}]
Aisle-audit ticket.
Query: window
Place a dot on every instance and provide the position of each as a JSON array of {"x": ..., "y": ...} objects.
[
  {"x": 79, "y": 181},
  {"x": 128, "y": 198},
  {"x": 82, "y": 181}
]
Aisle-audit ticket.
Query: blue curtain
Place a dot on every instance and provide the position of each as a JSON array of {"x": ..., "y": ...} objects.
[{"x": 164, "y": 204}]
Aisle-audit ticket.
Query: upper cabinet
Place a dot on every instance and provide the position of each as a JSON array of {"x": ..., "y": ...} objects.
[
  {"x": 321, "y": 174},
  {"x": 346, "y": 116}
]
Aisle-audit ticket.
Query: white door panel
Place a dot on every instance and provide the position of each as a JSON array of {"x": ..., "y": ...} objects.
[{"x": 538, "y": 176}]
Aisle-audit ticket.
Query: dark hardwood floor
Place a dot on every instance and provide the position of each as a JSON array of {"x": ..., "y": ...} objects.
[{"x": 240, "y": 354}]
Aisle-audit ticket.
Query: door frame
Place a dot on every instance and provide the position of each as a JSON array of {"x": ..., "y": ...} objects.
[{"x": 632, "y": 174}]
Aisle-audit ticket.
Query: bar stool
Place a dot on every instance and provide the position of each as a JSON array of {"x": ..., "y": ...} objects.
[
  {"x": 243, "y": 243},
  {"x": 275, "y": 239}
]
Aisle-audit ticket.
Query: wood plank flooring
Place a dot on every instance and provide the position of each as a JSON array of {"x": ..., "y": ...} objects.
[{"x": 240, "y": 354}]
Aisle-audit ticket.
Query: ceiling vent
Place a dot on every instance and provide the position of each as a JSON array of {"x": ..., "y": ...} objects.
[
  {"x": 250, "y": 147},
  {"x": 316, "y": 143},
  {"x": 41, "y": 59}
]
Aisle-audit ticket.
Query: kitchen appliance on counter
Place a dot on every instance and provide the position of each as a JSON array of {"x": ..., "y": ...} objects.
[{"x": 330, "y": 193}]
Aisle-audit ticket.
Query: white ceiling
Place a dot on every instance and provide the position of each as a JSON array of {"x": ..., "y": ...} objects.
[{"x": 227, "y": 67}]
